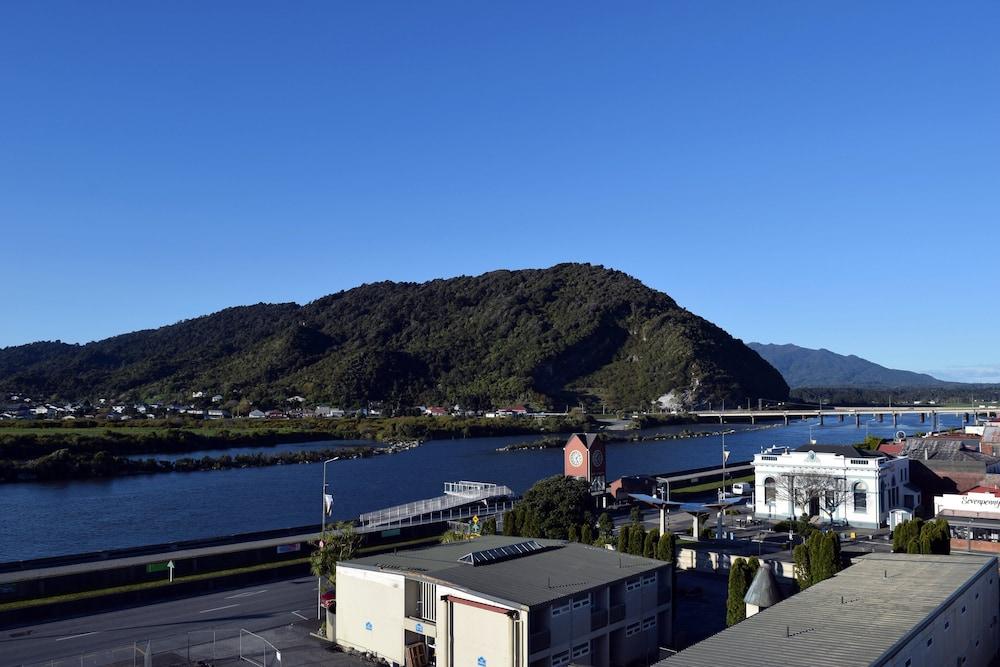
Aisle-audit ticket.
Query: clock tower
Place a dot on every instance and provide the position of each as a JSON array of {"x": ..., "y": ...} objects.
[{"x": 584, "y": 457}]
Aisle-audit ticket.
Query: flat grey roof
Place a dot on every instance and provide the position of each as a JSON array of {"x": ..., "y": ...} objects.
[
  {"x": 886, "y": 597},
  {"x": 561, "y": 569}
]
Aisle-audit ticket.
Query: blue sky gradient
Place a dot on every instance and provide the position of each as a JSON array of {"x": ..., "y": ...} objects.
[{"x": 826, "y": 174}]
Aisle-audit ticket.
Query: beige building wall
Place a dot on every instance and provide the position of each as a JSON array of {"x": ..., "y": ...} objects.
[
  {"x": 486, "y": 637},
  {"x": 967, "y": 628},
  {"x": 375, "y": 625}
]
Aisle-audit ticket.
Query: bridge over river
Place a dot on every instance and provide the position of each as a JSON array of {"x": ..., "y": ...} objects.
[{"x": 969, "y": 413}]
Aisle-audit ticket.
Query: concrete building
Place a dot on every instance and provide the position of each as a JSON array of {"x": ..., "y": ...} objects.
[
  {"x": 861, "y": 487},
  {"x": 974, "y": 518},
  {"x": 505, "y": 602},
  {"x": 946, "y": 463},
  {"x": 898, "y": 610}
]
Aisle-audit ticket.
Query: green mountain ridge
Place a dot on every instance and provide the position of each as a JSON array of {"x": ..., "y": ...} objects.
[{"x": 567, "y": 334}]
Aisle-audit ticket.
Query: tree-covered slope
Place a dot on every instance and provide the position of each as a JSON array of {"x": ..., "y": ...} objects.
[
  {"x": 564, "y": 334},
  {"x": 804, "y": 367}
]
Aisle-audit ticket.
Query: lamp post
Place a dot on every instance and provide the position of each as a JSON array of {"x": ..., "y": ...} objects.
[{"x": 322, "y": 533}]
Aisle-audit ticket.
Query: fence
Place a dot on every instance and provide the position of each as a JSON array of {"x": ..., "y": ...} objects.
[{"x": 198, "y": 648}]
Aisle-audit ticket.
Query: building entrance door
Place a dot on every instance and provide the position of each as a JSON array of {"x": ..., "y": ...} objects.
[{"x": 814, "y": 506}]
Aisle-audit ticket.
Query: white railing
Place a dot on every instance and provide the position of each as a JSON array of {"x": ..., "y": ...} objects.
[
  {"x": 456, "y": 494},
  {"x": 452, "y": 514}
]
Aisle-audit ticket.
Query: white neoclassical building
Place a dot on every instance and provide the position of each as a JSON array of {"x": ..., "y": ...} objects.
[{"x": 852, "y": 486}]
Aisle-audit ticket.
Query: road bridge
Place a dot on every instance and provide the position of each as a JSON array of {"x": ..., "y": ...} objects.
[{"x": 968, "y": 413}]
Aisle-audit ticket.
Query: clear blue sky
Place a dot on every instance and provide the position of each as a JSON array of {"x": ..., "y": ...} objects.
[{"x": 826, "y": 174}]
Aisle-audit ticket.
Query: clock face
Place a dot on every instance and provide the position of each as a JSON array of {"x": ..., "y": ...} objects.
[
  {"x": 598, "y": 458},
  {"x": 576, "y": 458}
]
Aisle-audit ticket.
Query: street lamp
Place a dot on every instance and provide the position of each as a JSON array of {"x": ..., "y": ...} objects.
[{"x": 322, "y": 534}]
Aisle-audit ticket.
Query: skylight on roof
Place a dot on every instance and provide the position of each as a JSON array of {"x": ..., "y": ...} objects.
[{"x": 503, "y": 553}]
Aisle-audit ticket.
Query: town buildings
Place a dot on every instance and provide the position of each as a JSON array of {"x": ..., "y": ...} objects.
[
  {"x": 897, "y": 610},
  {"x": 974, "y": 518},
  {"x": 840, "y": 482},
  {"x": 505, "y": 601}
]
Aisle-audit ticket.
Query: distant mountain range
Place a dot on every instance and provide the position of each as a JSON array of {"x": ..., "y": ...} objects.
[
  {"x": 569, "y": 333},
  {"x": 804, "y": 367}
]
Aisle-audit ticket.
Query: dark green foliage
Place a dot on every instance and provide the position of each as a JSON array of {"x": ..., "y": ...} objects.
[
  {"x": 817, "y": 559},
  {"x": 573, "y": 332},
  {"x": 665, "y": 547},
  {"x": 586, "y": 534},
  {"x": 605, "y": 526},
  {"x": 511, "y": 523},
  {"x": 913, "y": 546},
  {"x": 802, "y": 567},
  {"x": 573, "y": 533},
  {"x": 621, "y": 543},
  {"x": 553, "y": 507},
  {"x": 489, "y": 526},
  {"x": 635, "y": 514},
  {"x": 740, "y": 578},
  {"x": 649, "y": 543},
  {"x": 636, "y": 539},
  {"x": 935, "y": 537},
  {"x": 906, "y": 532}
]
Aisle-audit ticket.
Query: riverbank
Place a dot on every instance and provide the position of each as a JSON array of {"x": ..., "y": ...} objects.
[
  {"x": 23, "y": 441},
  {"x": 557, "y": 442}
]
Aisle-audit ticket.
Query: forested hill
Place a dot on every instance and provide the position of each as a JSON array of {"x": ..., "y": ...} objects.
[
  {"x": 804, "y": 367},
  {"x": 548, "y": 336}
]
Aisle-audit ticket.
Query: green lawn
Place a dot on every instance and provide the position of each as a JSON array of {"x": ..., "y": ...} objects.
[{"x": 709, "y": 486}]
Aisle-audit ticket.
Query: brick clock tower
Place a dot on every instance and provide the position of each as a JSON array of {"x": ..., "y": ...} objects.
[{"x": 584, "y": 457}]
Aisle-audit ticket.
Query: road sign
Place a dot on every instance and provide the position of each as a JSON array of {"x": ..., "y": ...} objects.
[
  {"x": 156, "y": 567},
  {"x": 475, "y": 519},
  {"x": 170, "y": 567}
]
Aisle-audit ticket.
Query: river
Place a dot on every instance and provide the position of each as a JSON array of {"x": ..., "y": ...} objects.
[{"x": 58, "y": 518}]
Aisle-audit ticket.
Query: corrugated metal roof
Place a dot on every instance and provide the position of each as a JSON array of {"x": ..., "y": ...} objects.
[
  {"x": 561, "y": 569},
  {"x": 854, "y": 618}
]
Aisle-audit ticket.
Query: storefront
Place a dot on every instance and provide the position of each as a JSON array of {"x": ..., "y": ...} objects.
[{"x": 974, "y": 518}]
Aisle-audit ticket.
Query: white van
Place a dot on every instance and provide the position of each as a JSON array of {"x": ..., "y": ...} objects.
[{"x": 742, "y": 488}]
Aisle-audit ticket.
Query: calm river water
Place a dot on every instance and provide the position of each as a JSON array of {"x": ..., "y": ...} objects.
[{"x": 54, "y": 519}]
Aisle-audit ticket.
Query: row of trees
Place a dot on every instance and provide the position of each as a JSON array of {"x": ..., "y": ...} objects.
[
  {"x": 917, "y": 536},
  {"x": 818, "y": 558}
]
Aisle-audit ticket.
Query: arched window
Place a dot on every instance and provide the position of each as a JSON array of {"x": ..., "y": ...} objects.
[
  {"x": 769, "y": 494},
  {"x": 860, "y": 497}
]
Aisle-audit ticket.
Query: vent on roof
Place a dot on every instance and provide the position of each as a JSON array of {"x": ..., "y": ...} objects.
[{"x": 501, "y": 553}]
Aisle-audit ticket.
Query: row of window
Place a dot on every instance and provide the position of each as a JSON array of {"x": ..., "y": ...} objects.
[
  {"x": 859, "y": 493},
  {"x": 575, "y": 653},
  {"x": 647, "y": 623},
  {"x": 579, "y": 602}
]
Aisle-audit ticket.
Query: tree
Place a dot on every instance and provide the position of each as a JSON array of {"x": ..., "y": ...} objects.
[
  {"x": 635, "y": 515},
  {"x": 636, "y": 539},
  {"x": 622, "y": 543},
  {"x": 605, "y": 526},
  {"x": 552, "y": 505},
  {"x": 831, "y": 492},
  {"x": 800, "y": 559},
  {"x": 739, "y": 582},
  {"x": 489, "y": 526},
  {"x": 338, "y": 543},
  {"x": 906, "y": 532},
  {"x": 649, "y": 543},
  {"x": 586, "y": 534},
  {"x": 665, "y": 547},
  {"x": 573, "y": 534}
]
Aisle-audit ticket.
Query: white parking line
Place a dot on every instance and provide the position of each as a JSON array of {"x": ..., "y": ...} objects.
[
  {"x": 228, "y": 606},
  {"x": 246, "y": 595},
  {"x": 300, "y": 616},
  {"x": 85, "y": 634}
]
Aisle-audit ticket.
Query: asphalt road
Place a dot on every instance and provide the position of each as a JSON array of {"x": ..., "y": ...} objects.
[{"x": 272, "y": 606}]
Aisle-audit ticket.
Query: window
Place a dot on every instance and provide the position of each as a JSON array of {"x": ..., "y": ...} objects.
[
  {"x": 427, "y": 601},
  {"x": 581, "y": 650},
  {"x": 633, "y": 584},
  {"x": 860, "y": 497},
  {"x": 633, "y": 629},
  {"x": 650, "y": 579},
  {"x": 561, "y": 658},
  {"x": 769, "y": 491},
  {"x": 581, "y": 601},
  {"x": 562, "y": 608},
  {"x": 649, "y": 623}
]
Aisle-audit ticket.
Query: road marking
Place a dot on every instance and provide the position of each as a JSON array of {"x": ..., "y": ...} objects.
[
  {"x": 246, "y": 595},
  {"x": 228, "y": 606},
  {"x": 304, "y": 618},
  {"x": 84, "y": 634}
]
